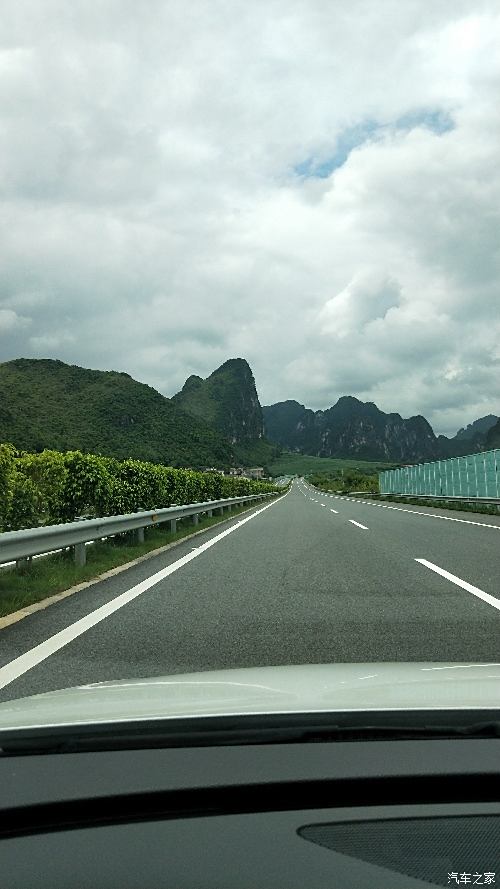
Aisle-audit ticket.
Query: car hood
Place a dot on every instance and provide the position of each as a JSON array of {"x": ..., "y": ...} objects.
[{"x": 289, "y": 689}]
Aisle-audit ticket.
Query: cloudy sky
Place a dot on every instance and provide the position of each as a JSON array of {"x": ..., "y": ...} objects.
[{"x": 311, "y": 185}]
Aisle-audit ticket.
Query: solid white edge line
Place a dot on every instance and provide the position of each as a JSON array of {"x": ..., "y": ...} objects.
[
  {"x": 431, "y": 515},
  {"x": 359, "y": 525},
  {"x": 491, "y": 600},
  {"x": 41, "y": 652}
]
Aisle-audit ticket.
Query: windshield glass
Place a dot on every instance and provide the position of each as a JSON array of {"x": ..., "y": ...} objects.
[{"x": 249, "y": 328}]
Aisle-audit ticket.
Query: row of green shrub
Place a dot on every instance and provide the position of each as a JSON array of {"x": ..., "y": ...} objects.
[
  {"x": 53, "y": 487},
  {"x": 344, "y": 482}
]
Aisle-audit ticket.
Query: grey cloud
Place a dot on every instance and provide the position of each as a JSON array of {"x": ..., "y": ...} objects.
[{"x": 150, "y": 221}]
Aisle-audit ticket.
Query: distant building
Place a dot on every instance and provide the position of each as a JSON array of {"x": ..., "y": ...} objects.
[
  {"x": 256, "y": 472},
  {"x": 240, "y": 471}
]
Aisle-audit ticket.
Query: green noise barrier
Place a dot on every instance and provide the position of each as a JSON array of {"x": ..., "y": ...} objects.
[{"x": 475, "y": 475}]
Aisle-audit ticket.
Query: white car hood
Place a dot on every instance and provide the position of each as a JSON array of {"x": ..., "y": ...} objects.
[{"x": 288, "y": 689}]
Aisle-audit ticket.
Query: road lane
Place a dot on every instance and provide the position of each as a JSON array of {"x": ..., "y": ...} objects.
[
  {"x": 39, "y": 653},
  {"x": 297, "y": 584},
  {"x": 485, "y": 597},
  {"x": 470, "y": 550}
]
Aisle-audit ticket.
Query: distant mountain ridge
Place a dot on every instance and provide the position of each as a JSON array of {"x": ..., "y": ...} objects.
[
  {"x": 493, "y": 437},
  {"x": 217, "y": 421},
  {"x": 352, "y": 428},
  {"x": 479, "y": 428}
]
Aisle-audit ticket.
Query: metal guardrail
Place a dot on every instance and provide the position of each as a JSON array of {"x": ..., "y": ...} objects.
[
  {"x": 18, "y": 546},
  {"x": 445, "y": 497},
  {"x": 441, "y": 497}
]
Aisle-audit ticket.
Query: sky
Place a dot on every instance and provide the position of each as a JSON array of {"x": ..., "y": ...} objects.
[{"x": 313, "y": 186}]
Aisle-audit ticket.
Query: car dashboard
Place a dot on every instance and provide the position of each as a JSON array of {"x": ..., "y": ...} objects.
[{"x": 352, "y": 813}]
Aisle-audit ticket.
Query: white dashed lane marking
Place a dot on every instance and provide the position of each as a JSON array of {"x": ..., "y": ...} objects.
[{"x": 430, "y": 515}]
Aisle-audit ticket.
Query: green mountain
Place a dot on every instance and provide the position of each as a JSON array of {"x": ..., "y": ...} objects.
[
  {"x": 356, "y": 429},
  {"x": 217, "y": 421},
  {"x": 469, "y": 440},
  {"x": 493, "y": 437},
  {"x": 478, "y": 429},
  {"x": 350, "y": 429},
  {"x": 293, "y": 426},
  {"x": 49, "y": 404},
  {"x": 228, "y": 401}
]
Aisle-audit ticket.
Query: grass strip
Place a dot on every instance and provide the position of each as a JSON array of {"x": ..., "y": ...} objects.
[
  {"x": 305, "y": 464},
  {"x": 53, "y": 574}
]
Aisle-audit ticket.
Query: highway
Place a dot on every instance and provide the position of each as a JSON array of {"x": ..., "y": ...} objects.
[{"x": 307, "y": 578}]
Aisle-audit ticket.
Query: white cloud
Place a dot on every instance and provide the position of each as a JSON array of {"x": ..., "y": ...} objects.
[
  {"x": 152, "y": 221},
  {"x": 10, "y": 320},
  {"x": 41, "y": 345},
  {"x": 366, "y": 299}
]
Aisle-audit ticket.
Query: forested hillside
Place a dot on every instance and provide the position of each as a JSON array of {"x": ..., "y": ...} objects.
[{"x": 49, "y": 404}]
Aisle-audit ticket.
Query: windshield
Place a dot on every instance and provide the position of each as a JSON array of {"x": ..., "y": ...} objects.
[{"x": 249, "y": 402}]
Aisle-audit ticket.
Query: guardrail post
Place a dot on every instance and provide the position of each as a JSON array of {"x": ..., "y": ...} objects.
[
  {"x": 121, "y": 527},
  {"x": 80, "y": 555}
]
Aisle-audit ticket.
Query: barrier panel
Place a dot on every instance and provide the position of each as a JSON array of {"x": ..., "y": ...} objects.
[{"x": 475, "y": 475}]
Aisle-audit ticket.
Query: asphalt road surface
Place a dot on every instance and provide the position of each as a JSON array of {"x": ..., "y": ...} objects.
[{"x": 308, "y": 578}]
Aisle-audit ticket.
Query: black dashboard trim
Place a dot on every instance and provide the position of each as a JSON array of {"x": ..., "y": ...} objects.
[
  {"x": 252, "y": 729},
  {"x": 247, "y": 799}
]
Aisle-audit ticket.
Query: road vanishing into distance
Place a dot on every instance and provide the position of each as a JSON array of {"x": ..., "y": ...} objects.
[{"x": 307, "y": 578}]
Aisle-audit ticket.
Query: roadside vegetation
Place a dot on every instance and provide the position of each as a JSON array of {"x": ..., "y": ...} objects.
[
  {"x": 46, "y": 576},
  {"x": 54, "y": 487},
  {"x": 303, "y": 464},
  {"x": 344, "y": 481}
]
